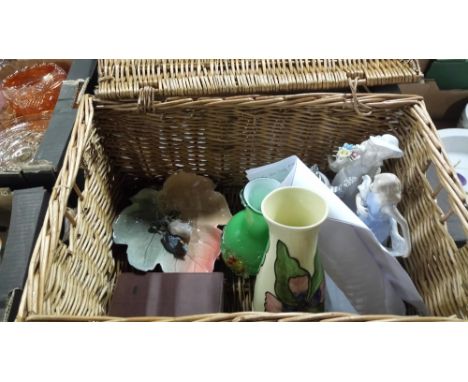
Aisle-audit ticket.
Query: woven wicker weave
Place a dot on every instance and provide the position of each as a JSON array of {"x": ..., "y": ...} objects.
[
  {"x": 72, "y": 278},
  {"x": 120, "y": 79}
]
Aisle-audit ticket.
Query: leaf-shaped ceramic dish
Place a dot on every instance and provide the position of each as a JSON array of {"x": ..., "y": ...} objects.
[{"x": 175, "y": 227}]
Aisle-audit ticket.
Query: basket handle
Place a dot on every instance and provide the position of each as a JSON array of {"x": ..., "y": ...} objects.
[
  {"x": 359, "y": 107},
  {"x": 146, "y": 97}
]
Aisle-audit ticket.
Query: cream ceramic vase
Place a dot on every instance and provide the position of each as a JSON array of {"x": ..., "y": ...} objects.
[{"x": 291, "y": 277}]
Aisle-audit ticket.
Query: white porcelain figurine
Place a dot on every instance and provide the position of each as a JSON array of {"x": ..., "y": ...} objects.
[
  {"x": 353, "y": 161},
  {"x": 376, "y": 204}
]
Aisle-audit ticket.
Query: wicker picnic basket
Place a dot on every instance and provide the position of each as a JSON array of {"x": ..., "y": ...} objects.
[
  {"x": 119, "y": 79},
  {"x": 118, "y": 146}
]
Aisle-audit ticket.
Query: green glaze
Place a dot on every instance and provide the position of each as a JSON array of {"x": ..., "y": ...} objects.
[
  {"x": 245, "y": 238},
  {"x": 244, "y": 243},
  {"x": 295, "y": 288},
  {"x": 287, "y": 267}
]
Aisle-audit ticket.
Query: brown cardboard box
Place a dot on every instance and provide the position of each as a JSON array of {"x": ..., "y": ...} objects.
[
  {"x": 424, "y": 64},
  {"x": 444, "y": 106}
]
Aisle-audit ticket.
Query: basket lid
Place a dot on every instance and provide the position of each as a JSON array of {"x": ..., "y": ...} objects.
[{"x": 122, "y": 79}]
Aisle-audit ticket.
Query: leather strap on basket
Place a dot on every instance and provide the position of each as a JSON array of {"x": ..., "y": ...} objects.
[{"x": 360, "y": 108}]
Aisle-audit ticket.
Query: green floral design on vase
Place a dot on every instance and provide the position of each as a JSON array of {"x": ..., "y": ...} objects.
[{"x": 295, "y": 289}]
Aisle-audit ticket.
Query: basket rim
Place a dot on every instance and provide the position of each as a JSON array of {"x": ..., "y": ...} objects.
[
  {"x": 148, "y": 101},
  {"x": 252, "y": 317}
]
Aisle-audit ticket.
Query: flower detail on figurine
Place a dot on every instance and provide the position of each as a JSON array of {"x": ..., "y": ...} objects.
[
  {"x": 348, "y": 151},
  {"x": 343, "y": 153},
  {"x": 175, "y": 227}
]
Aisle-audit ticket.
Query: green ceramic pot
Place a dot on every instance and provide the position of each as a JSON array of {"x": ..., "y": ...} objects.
[{"x": 245, "y": 238}]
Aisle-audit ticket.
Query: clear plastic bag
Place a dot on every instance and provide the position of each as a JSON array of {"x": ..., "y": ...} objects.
[
  {"x": 34, "y": 89},
  {"x": 20, "y": 141}
]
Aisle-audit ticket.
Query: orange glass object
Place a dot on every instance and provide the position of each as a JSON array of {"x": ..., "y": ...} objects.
[
  {"x": 6, "y": 114},
  {"x": 2, "y": 101},
  {"x": 34, "y": 89}
]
